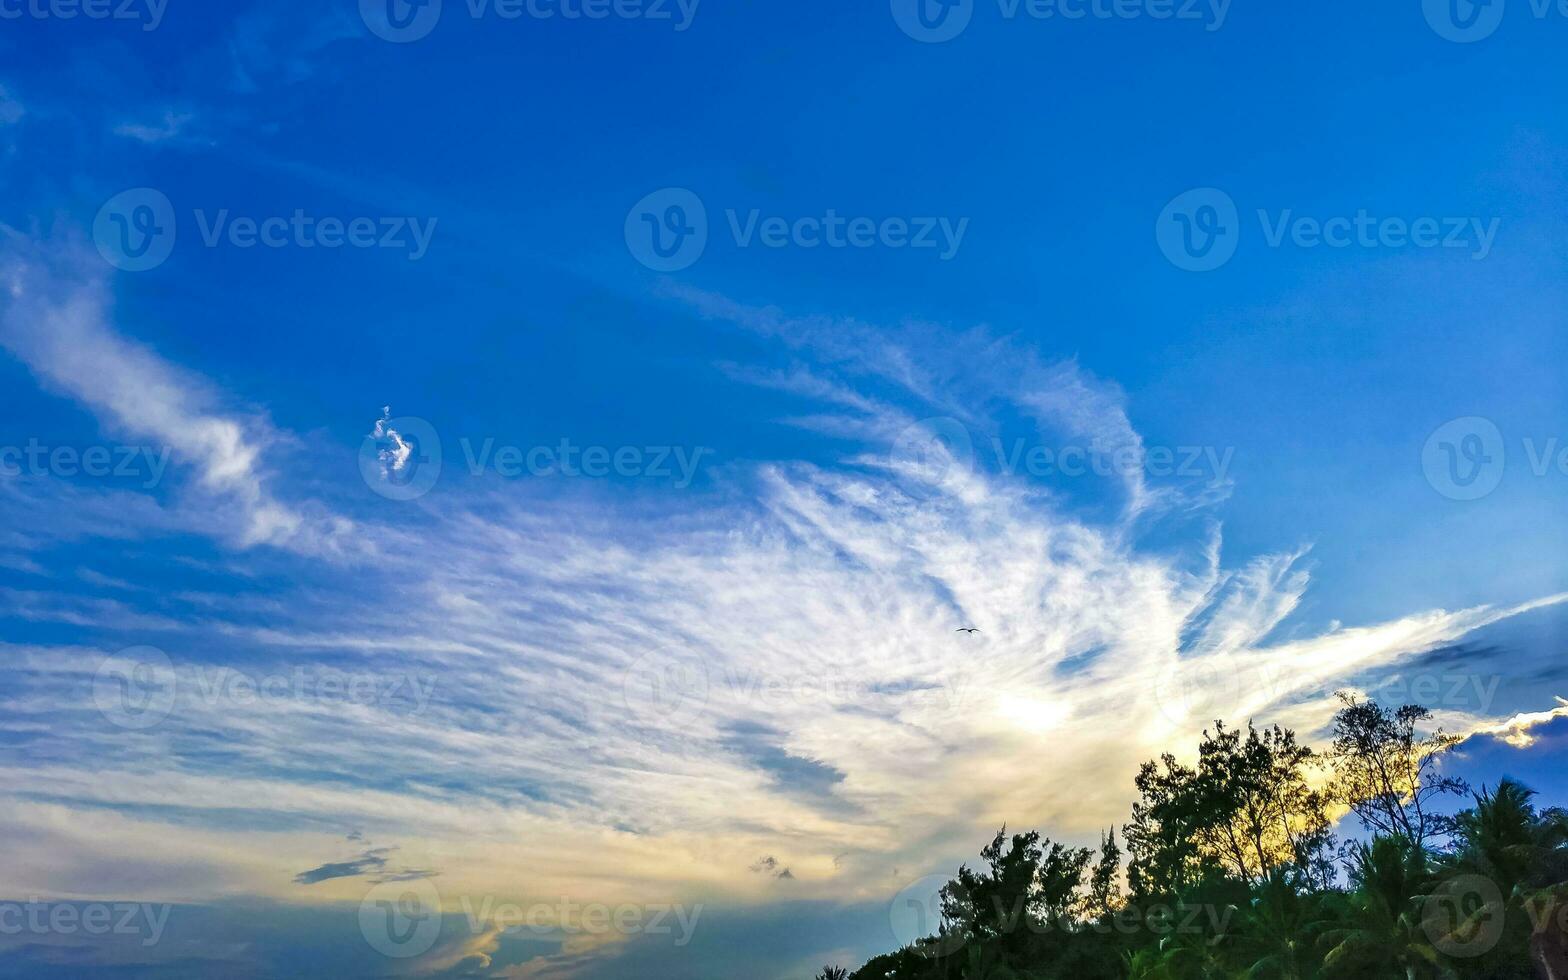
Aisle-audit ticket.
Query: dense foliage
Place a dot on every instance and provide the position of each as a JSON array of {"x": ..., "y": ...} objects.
[{"x": 1232, "y": 872}]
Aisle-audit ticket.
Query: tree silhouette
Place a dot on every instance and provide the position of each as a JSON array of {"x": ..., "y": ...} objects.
[
  {"x": 1104, "y": 890},
  {"x": 1385, "y": 770},
  {"x": 1228, "y": 874},
  {"x": 1382, "y": 928},
  {"x": 1248, "y": 809}
]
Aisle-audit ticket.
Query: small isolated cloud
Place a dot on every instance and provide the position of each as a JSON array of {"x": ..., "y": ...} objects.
[
  {"x": 369, "y": 861},
  {"x": 372, "y": 862},
  {"x": 770, "y": 866},
  {"x": 169, "y": 127},
  {"x": 1528, "y": 747},
  {"x": 392, "y": 449},
  {"x": 1519, "y": 731}
]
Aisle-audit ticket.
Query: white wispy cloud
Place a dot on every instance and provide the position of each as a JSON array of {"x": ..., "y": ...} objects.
[
  {"x": 964, "y": 374},
  {"x": 170, "y": 126},
  {"x": 55, "y": 317},
  {"x": 634, "y": 705}
]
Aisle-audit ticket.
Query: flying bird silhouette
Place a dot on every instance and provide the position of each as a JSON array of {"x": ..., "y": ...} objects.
[{"x": 967, "y": 629}]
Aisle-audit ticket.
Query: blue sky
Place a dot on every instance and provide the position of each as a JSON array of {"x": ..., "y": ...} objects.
[{"x": 929, "y": 351}]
